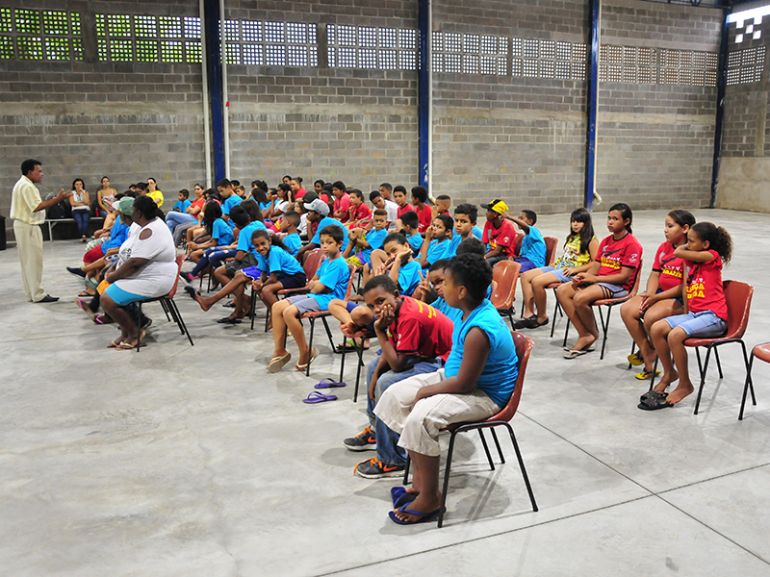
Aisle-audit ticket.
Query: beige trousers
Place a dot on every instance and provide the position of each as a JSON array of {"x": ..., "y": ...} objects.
[
  {"x": 29, "y": 243},
  {"x": 420, "y": 423}
]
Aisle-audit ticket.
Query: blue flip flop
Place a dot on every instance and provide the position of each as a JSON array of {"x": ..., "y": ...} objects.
[
  {"x": 421, "y": 517},
  {"x": 330, "y": 384},
  {"x": 400, "y": 496},
  {"x": 314, "y": 397}
]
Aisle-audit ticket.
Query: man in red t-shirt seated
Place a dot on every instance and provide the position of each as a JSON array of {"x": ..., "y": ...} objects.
[
  {"x": 499, "y": 233},
  {"x": 341, "y": 201},
  {"x": 415, "y": 338}
]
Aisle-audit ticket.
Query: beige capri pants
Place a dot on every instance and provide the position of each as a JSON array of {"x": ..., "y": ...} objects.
[{"x": 420, "y": 423}]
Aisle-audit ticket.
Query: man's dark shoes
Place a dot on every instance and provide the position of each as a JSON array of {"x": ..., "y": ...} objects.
[{"x": 48, "y": 299}]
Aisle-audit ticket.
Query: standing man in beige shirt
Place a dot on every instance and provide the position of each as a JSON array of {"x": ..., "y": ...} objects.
[{"x": 28, "y": 213}]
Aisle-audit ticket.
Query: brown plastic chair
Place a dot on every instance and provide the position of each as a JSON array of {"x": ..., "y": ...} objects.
[
  {"x": 310, "y": 263},
  {"x": 314, "y": 316},
  {"x": 505, "y": 275},
  {"x": 524, "y": 346},
  {"x": 761, "y": 352},
  {"x": 738, "y": 296},
  {"x": 169, "y": 306},
  {"x": 610, "y": 304},
  {"x": 551, "y": 244}
]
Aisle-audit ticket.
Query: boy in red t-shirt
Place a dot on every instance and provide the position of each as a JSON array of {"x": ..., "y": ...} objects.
[
  {"x": 341, "y": 201},
  {"x": 422, "y": 208},
  {"x": 359, "y": 214},
  {"x": 499, "y": 233},
  {"x": 415, "y": 338}
]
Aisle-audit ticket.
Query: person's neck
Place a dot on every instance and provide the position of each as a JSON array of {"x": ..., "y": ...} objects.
[
  {"x": 291, "y": 230},
  {"x": 333, "y": 256},
  {"x": 620, "y": 235},
  {"x": 468, "y": 307},
  {"x": 466, "y": 235}
]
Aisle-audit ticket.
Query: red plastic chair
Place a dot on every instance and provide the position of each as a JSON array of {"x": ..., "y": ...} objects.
[
  {"x": 312, "y": 317},
  {"x": 738, "y": 296},
  {"x": 310, "y": 263},
  {"x": 505, "y": 275},
  {"x": 761, "y": 352},
  {"x": 168, "y": 305},
  {"x": 551, "y": 245},
  {"x": 524, "y": 346},
  {"x": 610, "y": 304}
]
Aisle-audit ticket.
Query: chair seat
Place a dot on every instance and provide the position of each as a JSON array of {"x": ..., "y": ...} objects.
[
  {"x": 762, "y": 352},
  {"x": 611, "y": 302},
  {"x": 315, "y": 314},
  {"x": 293, "y": 291},
  {"x": 705, "y": 342},
  {"x": 554, "y": 285}
]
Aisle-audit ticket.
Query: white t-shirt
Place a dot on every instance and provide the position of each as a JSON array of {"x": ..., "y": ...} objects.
[
  {"x": 79, "y": 197},
  {"x": 156, "y": 277},
  {"x": 392, "y": 209},
  {"x": 302, "y": 228}
]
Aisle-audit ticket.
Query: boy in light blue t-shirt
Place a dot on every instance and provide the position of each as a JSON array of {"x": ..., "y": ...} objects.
[
  {"x": 330, "y": 282},
  {"x": 290, "y": 236},
  {"x": 363, "y": 243},
  {"x": 183, "y": 202},
  {"x": 532, "y": 253}
]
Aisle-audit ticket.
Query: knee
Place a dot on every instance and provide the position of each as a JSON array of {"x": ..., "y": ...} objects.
[
  {"x": 659, "y": 329},
  {"x": 629, "y": 310},
  {"x": 290, "y": 312},
  {"x": 581, "y": 299},
  {"x": 677, "y": 336}
]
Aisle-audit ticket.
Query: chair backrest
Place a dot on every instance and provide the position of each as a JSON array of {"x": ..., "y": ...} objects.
[
  {"x": 179, "y": 261},
  {"x": 349, "y": 291},
  {"x": 524, "y": 346},
  {"x": 312, "y": 262},
  {"x": 738, "y": 296},
  {"x": 519, "y": 240},
  {"x": 505, "y": 275},
  {"x": 551, "y": 244}
]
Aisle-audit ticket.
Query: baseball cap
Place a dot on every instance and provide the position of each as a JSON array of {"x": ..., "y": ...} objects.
[
  {"x": 497, "y": 206},
  {"x": 318, "y": 206},
  {"x": 124, "y": 206}
]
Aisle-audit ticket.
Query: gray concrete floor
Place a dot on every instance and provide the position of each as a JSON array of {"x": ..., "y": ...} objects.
[{"x": 192, "y": 461}]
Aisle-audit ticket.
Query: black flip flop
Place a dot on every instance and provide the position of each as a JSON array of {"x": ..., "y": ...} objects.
[
  {"x": 190, "y": 290},
  {"x": 651, "y": 404},
  {"x": 653, "y": 395},
  {"x": 229, "y": 321}
]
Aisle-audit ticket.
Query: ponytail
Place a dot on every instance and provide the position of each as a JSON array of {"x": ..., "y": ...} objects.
[{"x": 718, "y": 238}]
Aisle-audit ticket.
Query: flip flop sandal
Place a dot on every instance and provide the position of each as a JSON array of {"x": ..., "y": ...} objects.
[
  {"x": 654, "y": 404},
  {"x": 314, "y": 397},
  {"x": 588, "y": 350},
  {"x": 229, "y": 321},
  {"x": 330, "y": 384},
  {"x": 573, "y": 354},
  {"x": 277, "y": 363},
  {"x": 400, "y": 496},
  {"x": 190, "y": 290},
  {"x": 303, "y": 367},
  {"x": 124, "y": 346},
  {"x": 652, "y": 395},
  {"x": 635, "y": 360},
  {"x": 421, "y": 517},
  {"x": 646, "y": 375}
]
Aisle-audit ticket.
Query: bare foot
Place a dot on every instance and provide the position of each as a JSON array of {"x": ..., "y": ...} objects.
[
  {"x": 680, "y": 392},
  {"x": 665, "y": 381},
  {"x": 423, "y": 504},
  {"x": 584, "y": 343},
  {"x": 202, "y": 301}
]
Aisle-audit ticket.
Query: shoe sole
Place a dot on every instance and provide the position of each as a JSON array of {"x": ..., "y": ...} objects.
[
  {"x": 76, "y": 275},
  {"x": 361, "y": 448},
  {"x": 388, "y": 475}
]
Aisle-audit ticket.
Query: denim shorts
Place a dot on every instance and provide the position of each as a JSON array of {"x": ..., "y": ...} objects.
[
  {"x": 557, "y": 272},
  {"x": 616, "y": 291},
  {"x": 702, "y": 324}
]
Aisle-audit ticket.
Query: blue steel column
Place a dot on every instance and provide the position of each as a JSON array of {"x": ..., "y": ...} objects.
[
  {"x": 424, "y": 94},
  {"x": 719, "y": 121},
  {"x": 214, "y": 68},
  {"x": 593, "y": 104}
]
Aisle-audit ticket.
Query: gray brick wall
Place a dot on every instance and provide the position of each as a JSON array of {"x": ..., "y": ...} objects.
[{"x": 655, "y": 141}]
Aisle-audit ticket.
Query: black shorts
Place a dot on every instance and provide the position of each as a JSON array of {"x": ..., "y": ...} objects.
[{"x": 294, "y": 281}]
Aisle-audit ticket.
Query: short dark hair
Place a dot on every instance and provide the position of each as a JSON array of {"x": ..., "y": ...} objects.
[
  {"x": 448, "y": 221},
  {"x": 319, "y": 181},
  {"x": 224, "y": 183},
  {"x": 252, "y": 209},
  {"x": 147, "y": 207},
  {"x": 235, "y": 182},
  {"x": 471, "y": 245},
  {"x": 399, "y": 188},
  {"x": 357, "y": 193},
  {"x": 291, "y": 217},
  {"x": 474, "y": 273},
  {"x": 333, "y": 231},
  {"x": 410, "y": 218},
  {"x": 468, "y": 209},
  {"x": 29, "y": 165},
  {"x": 383, "y": 281},
  {"x": 530, "y": 214},
  {"x": 184, "y": 192},
  {"x": 239, "y": 216},
  {"x": 440, "y": 264},
  {"x": 443, "y": 197},
  {"x": 374, "y": 194},
  {"x": 339, "y": 185},
  {"x": 395, "y": 237},
  {"x": 387, "y": 186},
  {"x": 420, "y": 193},
  {"x": 380, "y": 212}
]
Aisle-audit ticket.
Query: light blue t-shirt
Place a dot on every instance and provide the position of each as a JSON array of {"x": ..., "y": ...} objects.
[
  {"x": 329, "y": 221},
  {"x": 477, "y": 232},
  {"x": 279, "y": 261},
  {"x": 415, "y": 241},
  {"x": 181, "y": 205},
  {"x": 501, "y": 369},
  {"x": 118, "y": 235},
  {"x": 453, "y": 314},
  {"x": 334, "y": 275},
  {"x": 293, "y": 243},
  {"x": 228, "y": 205},
  {"x": 533, "y": 247},
  {"x": 438, "y": 250},
  {"x": 244, "y": 238},
  {"x": 409, "y": 277},
  {"x": 221, "y": 233},
  {"x": 456, "y": 240},
  {"x": 375, "y": 238}
]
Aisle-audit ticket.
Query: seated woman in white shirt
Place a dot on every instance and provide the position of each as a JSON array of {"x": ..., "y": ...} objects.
[{"x": 149, "y": 271}]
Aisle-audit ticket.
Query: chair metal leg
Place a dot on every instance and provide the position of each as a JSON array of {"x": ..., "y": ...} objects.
[
  {"x": 447, "y": 470},
  {"x": 719, "y": 364},
  {"x": 605, "y": 328},
  {"x": 342, "y": 365},
  {"x": 164, "y": 306},
  {"x": 654, "y": 370},
  {"x": 566, "y": 333},
  {"x": 497, "y": 443},
  {"x": 310, "y": 346},
  {"x": 486, "y": 450},
  {"x": 328, "y": 333},
  {"x": 556, "y": 308},
  {"x": 138, "y": 322},
  {"x": 747, "y": 384},
  {"x": 182, "y": 325},
  {"x": 633, "y": 350},
  {"x": 510, "y": 319},
  {"x": 521, "y": 466},
  {"x": 702, "y": 377},
  {"x": 253, "y": 307},
  {"x": 359, "y": 365},
  {"x": 407, "y": 465}
]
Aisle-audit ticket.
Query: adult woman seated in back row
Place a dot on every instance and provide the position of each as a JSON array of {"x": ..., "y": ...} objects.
[{"x": 148, "y": 271}]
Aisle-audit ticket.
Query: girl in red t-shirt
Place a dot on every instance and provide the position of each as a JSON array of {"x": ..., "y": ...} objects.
[
  {"x": 611, "y": 275},
  {"x": 663, "y": 297},
  {"x": 708, "y": 247}
]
